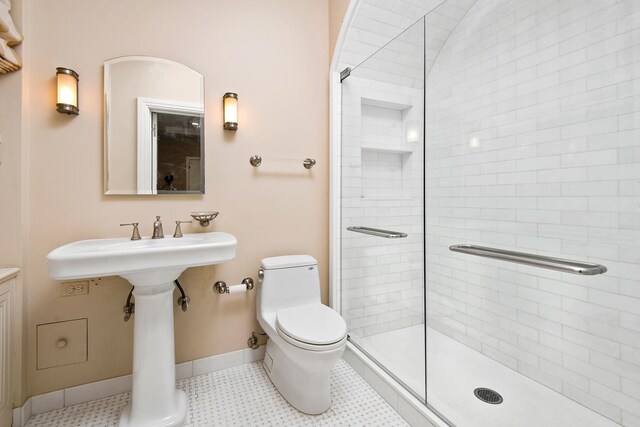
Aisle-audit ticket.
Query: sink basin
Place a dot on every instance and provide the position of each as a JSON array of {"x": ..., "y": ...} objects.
[
  {"x": 151, "y": 266},
  {"x": 122, "y": 257}
]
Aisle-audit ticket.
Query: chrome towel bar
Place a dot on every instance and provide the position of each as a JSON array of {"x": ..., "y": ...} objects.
[
  {"x": 559, "y": 264},
  {"x": 378, "y": 232},
  {"x": 256, "y": 161}
]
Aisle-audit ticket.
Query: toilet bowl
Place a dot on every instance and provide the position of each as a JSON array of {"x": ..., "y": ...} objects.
[{"x": 306, "y": 338}]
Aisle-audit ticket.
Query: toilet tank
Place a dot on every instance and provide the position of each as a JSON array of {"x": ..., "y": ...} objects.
[{"x": 288, "y": 281}]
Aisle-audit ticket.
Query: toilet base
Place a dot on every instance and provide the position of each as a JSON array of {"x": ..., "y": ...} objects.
[{"x": 306, "y": 386}]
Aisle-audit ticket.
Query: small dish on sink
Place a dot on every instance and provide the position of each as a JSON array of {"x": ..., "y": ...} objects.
[{"x": 204, "y": 217}]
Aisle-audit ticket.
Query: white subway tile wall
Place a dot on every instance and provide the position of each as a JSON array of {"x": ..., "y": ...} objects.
[
  {"x": 533, "y": 144},
  {"x": 369, "y": 44},
  {"x": 382, "y": 158},
  {"x": 382, "y": 163},
  {"x": 376, "y": 23}
]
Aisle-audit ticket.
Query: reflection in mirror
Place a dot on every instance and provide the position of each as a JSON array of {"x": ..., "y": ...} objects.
[
  {"x": 178, "y": 144},
  {"x": 154, "y": 127}
]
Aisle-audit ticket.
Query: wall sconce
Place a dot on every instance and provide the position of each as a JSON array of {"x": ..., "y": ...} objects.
[
  {"x": 230, "y": 105},
  {"x": 67, "y": 91}
]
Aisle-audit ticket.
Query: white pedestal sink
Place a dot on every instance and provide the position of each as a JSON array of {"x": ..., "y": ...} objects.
[{"x": 151, "y": 266}]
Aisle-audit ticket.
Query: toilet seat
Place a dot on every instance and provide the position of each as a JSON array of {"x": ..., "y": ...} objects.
[{"x": 313, "y": 327}]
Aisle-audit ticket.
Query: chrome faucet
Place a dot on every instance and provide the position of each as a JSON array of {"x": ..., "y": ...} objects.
[{"x": 157, "y": 229}]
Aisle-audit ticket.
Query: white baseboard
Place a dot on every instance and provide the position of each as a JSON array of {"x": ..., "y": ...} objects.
[
  {"x": 411, "y": 409},
  {"x": 22, "y": 414},
  {"x": 97, "y": 390}
]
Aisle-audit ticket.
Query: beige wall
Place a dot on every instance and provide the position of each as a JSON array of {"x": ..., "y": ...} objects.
[
  {"x": 11, "y": 164},
  {"x": 13, "y": 197},
  {"x": 10, "y": 168},
  {"x": 275, "y": 56},
  {"x": 337, "y": 10}
]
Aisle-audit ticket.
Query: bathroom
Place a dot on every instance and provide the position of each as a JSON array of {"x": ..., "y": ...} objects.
[{"x": 476, "y": 125}]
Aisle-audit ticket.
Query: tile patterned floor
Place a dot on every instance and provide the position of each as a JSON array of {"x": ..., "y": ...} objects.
[{"x": 243, "y": 396}]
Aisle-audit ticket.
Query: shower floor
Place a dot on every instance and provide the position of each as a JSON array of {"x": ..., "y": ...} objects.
[{"x": 456, "y": 370}]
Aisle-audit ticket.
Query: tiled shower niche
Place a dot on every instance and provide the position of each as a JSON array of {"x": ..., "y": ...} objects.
[{"x": 387, "y": 136}]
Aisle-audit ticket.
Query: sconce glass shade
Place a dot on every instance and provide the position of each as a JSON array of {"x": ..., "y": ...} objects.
[
  {"x": 67, "y": 91},
  {"x": 230, "y": 105}
]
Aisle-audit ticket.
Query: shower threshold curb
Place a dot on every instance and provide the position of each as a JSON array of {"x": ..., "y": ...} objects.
[{"x": 411, "y": 409}]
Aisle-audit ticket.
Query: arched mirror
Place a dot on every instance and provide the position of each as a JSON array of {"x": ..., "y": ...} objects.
[{"x": 154, "y": 127}]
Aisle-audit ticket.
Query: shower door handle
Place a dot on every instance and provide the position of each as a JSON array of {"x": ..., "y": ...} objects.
[{"x": 387, "y": 234}]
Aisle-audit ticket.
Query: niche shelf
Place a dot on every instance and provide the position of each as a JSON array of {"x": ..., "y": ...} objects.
[{"x": 397, "y": 150}]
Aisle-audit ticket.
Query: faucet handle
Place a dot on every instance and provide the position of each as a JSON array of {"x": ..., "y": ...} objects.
[
  {"x": 136, "y": 234},
  {"x": 178, "y": 232}
]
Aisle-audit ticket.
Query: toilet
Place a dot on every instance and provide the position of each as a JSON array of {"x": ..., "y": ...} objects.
[{"x": 306, "y": 338}]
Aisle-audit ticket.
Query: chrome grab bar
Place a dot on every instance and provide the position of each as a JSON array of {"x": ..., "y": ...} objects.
[
  {"x": 559, "y": 264},
  {"x": 378, "y": 232}
]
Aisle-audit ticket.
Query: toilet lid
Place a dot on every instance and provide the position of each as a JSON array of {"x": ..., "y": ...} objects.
[{"x": 313, "y": 324}]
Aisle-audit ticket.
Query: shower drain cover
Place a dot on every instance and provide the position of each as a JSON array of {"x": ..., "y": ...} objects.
[{"x": 487, "y": 395}]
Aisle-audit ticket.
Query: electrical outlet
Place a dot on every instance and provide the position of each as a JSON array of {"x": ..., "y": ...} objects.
[{"x": 69, "y": 289}]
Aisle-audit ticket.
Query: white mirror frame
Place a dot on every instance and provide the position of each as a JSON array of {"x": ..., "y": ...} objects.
[{"x": 147, "y": 142}]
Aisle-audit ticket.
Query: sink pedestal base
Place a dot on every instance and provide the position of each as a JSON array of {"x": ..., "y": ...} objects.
[
  {"x": 155, "y": 401},
  {"x": 177, "y": 419}
]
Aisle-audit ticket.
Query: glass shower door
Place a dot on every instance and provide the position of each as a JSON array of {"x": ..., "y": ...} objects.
[
  {"x": 381, "y": 231},
  {"x": 533, "y": 146}
]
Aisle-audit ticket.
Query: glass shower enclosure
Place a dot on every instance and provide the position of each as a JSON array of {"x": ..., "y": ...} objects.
[
  {"x": 382, "y": 207},
  {"x": 490, "y": 211}
]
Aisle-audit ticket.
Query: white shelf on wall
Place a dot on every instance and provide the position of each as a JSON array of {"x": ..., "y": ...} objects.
[{"x": 398, "y": 150}]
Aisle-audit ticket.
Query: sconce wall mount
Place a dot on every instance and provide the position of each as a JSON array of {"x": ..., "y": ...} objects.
[
  {"x": 230, "y": 107},
  {"x": 67, "y": 81}
]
